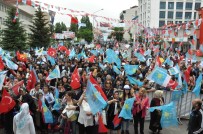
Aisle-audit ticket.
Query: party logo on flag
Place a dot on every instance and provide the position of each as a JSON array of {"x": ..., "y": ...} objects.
[
  {"x": 159, "y": 76},
  {"x": 94, "y": 99},
  {"x": 54, "y": 74},
  {"x": 126, "y": 111}
]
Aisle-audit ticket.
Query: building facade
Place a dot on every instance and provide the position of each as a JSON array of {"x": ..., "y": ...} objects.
[
  {"x": 156, "y": 13},
  {"x": 25, "y": 17},
  {"x": 130, "y": 28},
  {"x": 26, "y": 13}
]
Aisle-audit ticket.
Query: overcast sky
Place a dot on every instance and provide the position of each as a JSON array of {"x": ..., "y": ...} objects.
[{"x": 112, "y": 8}]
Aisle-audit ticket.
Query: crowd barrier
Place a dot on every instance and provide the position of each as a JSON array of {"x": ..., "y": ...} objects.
[{"x": 183, "y": 106}]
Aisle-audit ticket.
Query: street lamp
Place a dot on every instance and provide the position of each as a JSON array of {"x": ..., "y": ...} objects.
[{"x": 93, "y": 18}]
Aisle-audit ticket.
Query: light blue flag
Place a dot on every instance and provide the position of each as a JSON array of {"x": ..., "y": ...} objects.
[
  {"x": 176, "y": 95},
  {"x": 61, "y": 43},
  {"x": 180, "y": 83},
  {"x": 124, "y": 55},
  {"x": 169, "y": 116},
  {"x": 174, "y": 70},
  {"x": 101, "y": 66},
  {"x": 198, "y": 84},
  {"x": 159, "y": 76},
  {"x": 57, "y": 105},
  {"x": 105, "y": 60},
  {"x": 126, "y": 111},
  {"x": 134, "y": 81},
  {"x": 101, "y": 51},
  {"x": 140, "y": 57},
  {"x": 194, "y": 58},
  {"x": 113, "y": 57},
  {"x": 82, "y": 54},
  {"x": 130, "y": 69},
  {"x": 184, "y": 87},
  {"x": 54, "y": 74},
  {"x": 94, "y": 99},
  {"x": 48, "y": 118},
  {"x": 147, "y": 53},
  {"x": 116, "y": 70},
  {"x": 51, "y": 59},
  {"x": 72, "y": 54},
  {"x": 10, "y": 64},
  {"x": 169, "y": 62},
  {"x": 94, "y": 52}
]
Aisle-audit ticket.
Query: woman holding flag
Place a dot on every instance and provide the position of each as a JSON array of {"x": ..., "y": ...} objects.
[
  {"x": 155, "y": 116},
  {"x": 139, "y": 110},
  {"x": 113, "y": 110}
]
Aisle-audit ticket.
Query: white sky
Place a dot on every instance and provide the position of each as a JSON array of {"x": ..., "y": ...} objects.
[{"x": 112, "y": 8}]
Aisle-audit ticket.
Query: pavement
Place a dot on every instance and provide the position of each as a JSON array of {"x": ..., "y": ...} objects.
[{"x": 181, "y": 129}]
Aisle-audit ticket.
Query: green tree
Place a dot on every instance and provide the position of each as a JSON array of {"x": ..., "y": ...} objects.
[
  {"x": 63, "y": 27},
  {"x": 86, "y": 32},
  {"x": 60, "y": 27},
  {"x": 57, "y": 27},
  {"x": 118, "y": 33},
  {"x": 14, "y": 35},
  {"x": 40, "y": 36},
  {"x": 74, "y": 28}
]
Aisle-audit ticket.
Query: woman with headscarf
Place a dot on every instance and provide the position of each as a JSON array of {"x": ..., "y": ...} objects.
[
  {"x": 23, "y": 122},
  {"x": 155, "y": 116}
]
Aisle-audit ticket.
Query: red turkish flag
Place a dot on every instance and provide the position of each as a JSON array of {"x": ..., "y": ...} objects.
[
  {"x": 7, "y": 103},
  {"x": 172, "y": 84},
  {"x": 187, "y": 74},
  {"x": 1, "y": 64},
  {"x": 16, "y": 87},
  {"x": 62, "y": 48},
  {"x": 198, "y": 53},
  {"x": 21, "y": 57},
  {"x": 102, "y": 128},
  {"x": 67, "y": 52},
  {"x": 116, "y": 121},
  {"x": 99, "y": 89},
  {"x": 28, "y": 2},
  {"x": 74, "y": 20},
  {"x": 32, "y": 80},
  {"x": 91, "y": 59},
  {"x": 75, "y": 79},
  {"x": 51, "y": 52}
]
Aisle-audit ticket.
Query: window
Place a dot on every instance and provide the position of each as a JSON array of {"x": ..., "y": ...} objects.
[
  {"x": 170, "y": 14},
  {"x": 0, "y": 20},
  {"x": 188, "y": 6},
  {"x": 171, "y": 5},
  {"x": 162, "y": 5},
  {"x": 162, "y": 14},
  {"x": 161, "y": 23},
  {"x": 195, "y": 15},
  {"x": 179, "y": 15},
  {"x": 179, "y": 5},
  {"x": 197, "y": 5},
  {"x": 188, "y": 15},
  {"x": 178, "y": 22}
]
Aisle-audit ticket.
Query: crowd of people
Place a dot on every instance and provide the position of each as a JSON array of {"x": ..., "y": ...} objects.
[{"x": 74, "y": 115}]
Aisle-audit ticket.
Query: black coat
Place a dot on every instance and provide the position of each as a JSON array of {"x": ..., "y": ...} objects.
[{"x": 194, "y": 121}]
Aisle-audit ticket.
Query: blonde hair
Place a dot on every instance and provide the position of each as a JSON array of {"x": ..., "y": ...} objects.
[
  {"x": 143, "y": 90},
  {"x": 158, "y": 94}
]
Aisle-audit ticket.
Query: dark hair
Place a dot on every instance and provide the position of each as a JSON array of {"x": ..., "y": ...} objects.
[
  {"x": 70, "y": 93},
  {"x": 37, "y": 84}
]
